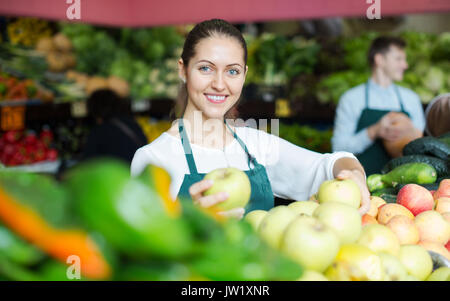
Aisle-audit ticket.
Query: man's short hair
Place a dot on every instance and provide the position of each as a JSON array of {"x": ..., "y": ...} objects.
[{"x": 382, "y": 45}]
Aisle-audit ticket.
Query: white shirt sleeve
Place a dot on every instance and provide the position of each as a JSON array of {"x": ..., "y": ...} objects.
[
  {"x": 344, "y": 137},
  {"x": 296, "y": 173}
]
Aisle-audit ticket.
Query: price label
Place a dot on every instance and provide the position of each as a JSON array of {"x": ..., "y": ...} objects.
[
  {"x": 79, "y": 109},
  {"x": 12, "y": 118},
  {"x": 282, "y": 108}
]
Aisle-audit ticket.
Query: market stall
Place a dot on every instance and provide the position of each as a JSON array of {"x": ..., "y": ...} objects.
[{"x": 54, "y": 205}]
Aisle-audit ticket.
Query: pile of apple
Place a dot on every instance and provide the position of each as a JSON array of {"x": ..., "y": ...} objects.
[{"x": 329, "y": 238}]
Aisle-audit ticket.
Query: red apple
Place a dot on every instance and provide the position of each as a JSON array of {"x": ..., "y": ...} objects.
[
  {"x": 433, "y": 227},
  {"x": 416, "y": 198},
  {"x": 447, "y": 246},
  {"x": 443, "y": 190},
  {"x": 405, "y": 229}
]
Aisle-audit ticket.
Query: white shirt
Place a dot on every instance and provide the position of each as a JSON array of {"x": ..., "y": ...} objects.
[
  {"x": 294, "y": 173},
  {"x": 351, "y": 105}
]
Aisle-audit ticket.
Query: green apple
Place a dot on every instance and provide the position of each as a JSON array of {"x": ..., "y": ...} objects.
[
  {"x": 310, "y": 242},
  {"x": 416, "y": 260},
  {"x": 303, "y": 207},
  {"x": 393, "y": 268},
  {"x": 355, "y": 263},
  {"x": 342, "y": 218},
  {"x": 233, "y": 181},
  {"x": 255, "y": 217},
  {"x": 440, "y": 274},
  {"x": 379, "y": 238},
  {"x": 273, "y": 225},
  {"x": 341, "y": 191},
  {"x": 309, "y": 275}
]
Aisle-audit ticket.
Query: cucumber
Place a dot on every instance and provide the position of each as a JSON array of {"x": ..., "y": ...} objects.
[
  {"x": 418, "y": 173},
  {"x": 427, "y": 146},
  {"x": 442, "y": 167},
  {"x": 445, "y": 140}
]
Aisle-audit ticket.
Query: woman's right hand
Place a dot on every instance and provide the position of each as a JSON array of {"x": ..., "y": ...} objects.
[{"x": 196, "y": 191}]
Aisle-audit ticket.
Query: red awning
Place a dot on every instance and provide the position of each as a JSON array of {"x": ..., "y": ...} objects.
[{"x": 166, "y": 12}]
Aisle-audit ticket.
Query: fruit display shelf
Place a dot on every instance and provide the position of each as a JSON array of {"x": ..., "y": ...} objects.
[{"x": 47, "y": 167}]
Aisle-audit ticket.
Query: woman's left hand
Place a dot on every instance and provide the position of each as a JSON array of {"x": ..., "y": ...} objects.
[{"x": 360, "y": 180}]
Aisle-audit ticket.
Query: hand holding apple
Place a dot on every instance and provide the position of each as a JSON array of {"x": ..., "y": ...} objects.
[{"x": 359, "y": 178}]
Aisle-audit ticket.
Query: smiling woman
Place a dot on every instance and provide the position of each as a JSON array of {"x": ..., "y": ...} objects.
[{"x": 213, "y": 67}]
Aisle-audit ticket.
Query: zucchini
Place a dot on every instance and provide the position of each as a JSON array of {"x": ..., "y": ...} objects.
[
  {"x": 427, "y": 146},
  {"x": 418, "y": 173},
  {"x": 442, "y": 167}
]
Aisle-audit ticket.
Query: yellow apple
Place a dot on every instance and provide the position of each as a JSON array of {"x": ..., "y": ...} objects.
[
  {"x": 440, "y": 274},
  {"x": 392, "y": 267},
  {"x": 355, "y": 262},
  {"x": 274, "y": 223},
  {"x": 232, "y": 181},
  {"x": 309, "y": 275},
  {"x": 379, "y": 238},
  {"x": 255, "y": 217},
  {"x": 341, "y": 191},
  {"x": 341, "y": 218},
  {"x": 375, "y": 203},
  {"x": 416, "y": 260},
  {"x": 303, "y": 207},
  {"x": 310, "y": 242}
]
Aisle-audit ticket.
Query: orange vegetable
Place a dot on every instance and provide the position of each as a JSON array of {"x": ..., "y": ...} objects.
[{"x": 58, "y": 243}]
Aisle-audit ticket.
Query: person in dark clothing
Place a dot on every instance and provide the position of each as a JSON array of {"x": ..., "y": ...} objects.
[{"x": 115, "y": 134}]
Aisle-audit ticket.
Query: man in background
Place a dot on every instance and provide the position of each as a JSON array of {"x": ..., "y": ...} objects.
[{"x": 379, "y": 112}]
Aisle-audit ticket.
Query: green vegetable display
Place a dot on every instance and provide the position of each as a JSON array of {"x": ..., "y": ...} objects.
[{"x": 123, "y": 228}]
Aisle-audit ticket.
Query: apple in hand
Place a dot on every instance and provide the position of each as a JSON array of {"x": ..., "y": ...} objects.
[
  {"x": 232, "y": 181},
  {"x": 341, "y": 191}
]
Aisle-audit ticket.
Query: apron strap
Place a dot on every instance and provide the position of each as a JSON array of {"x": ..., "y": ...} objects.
[
  {"x": 187, "y": 148},
  {"x": 251, "y": 159},
  {"x": 399, "y": 98}
]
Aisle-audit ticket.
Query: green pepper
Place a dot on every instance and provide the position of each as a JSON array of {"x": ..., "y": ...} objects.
[
  {"x": 154, "y": 271},
  {"x": 128, "y": 212},
  {"x": 2, "y": 88},
  {"x": 238, "y": 254},
  {"x": 35, "y": 208},
  {"x": 15, "y": 249}
]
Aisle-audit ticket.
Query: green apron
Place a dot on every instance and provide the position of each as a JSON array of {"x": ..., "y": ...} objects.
[
  {"x": 375, "y": 156},
  {"x": 261, "y": 192}
]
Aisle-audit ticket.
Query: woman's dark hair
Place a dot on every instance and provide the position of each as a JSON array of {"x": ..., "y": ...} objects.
[
  {"x": 203, "y": 30},
  {"x": 106, "y": 104},
  {"x": 382, "y": 45}
]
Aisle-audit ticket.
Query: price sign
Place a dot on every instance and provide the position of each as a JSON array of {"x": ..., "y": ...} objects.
[
  {"x": 282, "y": 108},
  {"x": 12, "y": 118}
]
